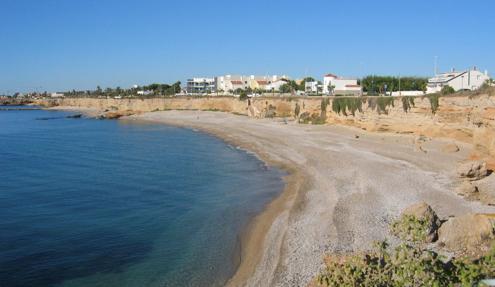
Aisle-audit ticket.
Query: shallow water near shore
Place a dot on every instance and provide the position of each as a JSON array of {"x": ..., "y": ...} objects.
[{"x": 87, "y": 202}]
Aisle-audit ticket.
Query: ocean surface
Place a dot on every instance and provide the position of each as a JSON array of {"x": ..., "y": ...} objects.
[{"x": 87, "y": 202}]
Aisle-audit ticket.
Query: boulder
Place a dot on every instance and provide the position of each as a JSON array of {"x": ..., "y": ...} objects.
[
  {"x": 470, "y": 234},
  {"x": 472, "y": 170},
  {"x": 417, "y": 222},
  {"x": 486, "y": 189},
  {"x": 467, "y": 189}
]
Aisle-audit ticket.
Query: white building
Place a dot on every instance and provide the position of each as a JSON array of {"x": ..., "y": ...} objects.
[
  {"x": 471, "y": 79},
  {"x": 230, "y": 83},
  {"x": 144, "y": 93},
  {"x": 56, "y": 95},
  {"x": 311, "y": 87},
  {"x": 407, "y": 93},
  {"x": 201, "y": 85},
  {"x": 275, "y": 86},
  {"x": 336, "y": 85}
]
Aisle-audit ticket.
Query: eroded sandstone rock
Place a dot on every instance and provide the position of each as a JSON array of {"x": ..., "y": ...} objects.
[
  {"x": 486, "y": 188},
  {"x": 467, "y": 189},
  {"x": 472, "y": 170},
  {"x": 470, "y": 234}
]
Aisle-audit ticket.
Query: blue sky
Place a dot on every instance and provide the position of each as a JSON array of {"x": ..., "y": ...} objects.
[{"x": 65, "y": 44}]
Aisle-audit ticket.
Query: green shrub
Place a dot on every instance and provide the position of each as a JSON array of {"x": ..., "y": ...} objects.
[
  {"x": 434, "y": 102},
  {"x": 410, "y": 228},
  {"x": 447, "y": 90},
  {"x": 347, "y": 104},
  {"x": 380, "y": 103},
  {"x": 243, "y": 95},
  {"x": 407, "y": 103},
  {"x": 405, "y": 266}
]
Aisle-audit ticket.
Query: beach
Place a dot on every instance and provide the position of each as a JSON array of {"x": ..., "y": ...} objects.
[{"x": 344, "y": 187}]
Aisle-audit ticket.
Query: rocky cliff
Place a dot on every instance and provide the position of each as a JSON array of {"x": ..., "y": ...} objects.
[{"x": 466, "y": 118}]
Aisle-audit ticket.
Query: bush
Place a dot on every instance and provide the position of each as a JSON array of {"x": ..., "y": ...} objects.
[
  {"x": 434, "y": 102},
  {"x": 410, "y": 228},
  {"x": 405, "y": 266},
  {"x": 345, "y": 104},
  {"x": 407, "y": 102},
  {"x": 380, "y": 103},
  {"x": 243, "y": 95},
  {"x": 446, "y": 90}
]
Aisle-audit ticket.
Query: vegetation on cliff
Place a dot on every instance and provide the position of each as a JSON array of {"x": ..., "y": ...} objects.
[
  {"x": 407, "y": 103},
  {"x": 342, "y": 105},
  {"x": 406, "y": 265},
  {"x": 411, "y": 263},
  {"x": 381, "y": 104}
]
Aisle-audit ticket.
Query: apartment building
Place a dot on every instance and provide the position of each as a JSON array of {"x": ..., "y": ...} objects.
[
  {"x": 470, "y": 79},
  {"x": 230, "y": 83},
  {"x": 201, "y": 85}
]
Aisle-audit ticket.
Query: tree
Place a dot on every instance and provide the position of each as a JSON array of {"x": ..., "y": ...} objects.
[
  {"x": 331, "y": 88},
  {"x": 285, "y": 88},
  {"x": 302, "y": 86},
  {"x": 243, "y": 95},
  {"x": 376, "y": 84},
  {"x": 446, "y": 90}
]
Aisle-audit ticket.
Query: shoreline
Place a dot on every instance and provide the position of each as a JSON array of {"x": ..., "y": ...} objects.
[
  {"x": 272, "y": 240},
  {"x": 333, "y": 201},
  {"x": 253, "y": 235}
]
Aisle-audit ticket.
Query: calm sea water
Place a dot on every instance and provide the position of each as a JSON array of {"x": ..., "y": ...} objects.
[{"x": 86, "y": 202}]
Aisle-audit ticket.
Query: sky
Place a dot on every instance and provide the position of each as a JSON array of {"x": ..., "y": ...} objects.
[{"x": 59, "y": 45}]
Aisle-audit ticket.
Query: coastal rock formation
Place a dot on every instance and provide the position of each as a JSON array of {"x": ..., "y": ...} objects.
[
  {"x": 115, "y": 115},
  {"x": 9, "y": 101},
  {"x": 486, "y": 188},
  {"x": 470, "y": 234},
  {"x": 418, "y": 222},
  {"x": 472, "y": 170},
  {"x": 467, "y": 189},
  {"x": 464, "y": 118}
]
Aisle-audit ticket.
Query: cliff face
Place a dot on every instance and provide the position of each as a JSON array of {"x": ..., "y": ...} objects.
[
  {"x": 469, "y": 119},
  {"x": 14, "y": 101}
]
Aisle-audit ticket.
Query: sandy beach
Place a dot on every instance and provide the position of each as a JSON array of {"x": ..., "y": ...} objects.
[{"x": 344, "y": 187}]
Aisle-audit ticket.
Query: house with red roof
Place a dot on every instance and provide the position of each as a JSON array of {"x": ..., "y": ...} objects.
[{"x": 335, "y": 85}]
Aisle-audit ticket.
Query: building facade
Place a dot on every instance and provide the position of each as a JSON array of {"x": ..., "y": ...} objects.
[
  {"x": 201, "y": 86},
  {"x": 335, "y": 85},
  {"x": 230, "y": 83},
  {"x": 471, "y": 79},
  {"x": 311, "y": 87}
]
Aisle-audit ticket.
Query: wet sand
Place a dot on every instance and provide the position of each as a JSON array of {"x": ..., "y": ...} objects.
[{"x": 344, "y": 187}]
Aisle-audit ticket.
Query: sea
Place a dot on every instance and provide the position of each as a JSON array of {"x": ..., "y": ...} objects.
[{"x": 87, "y": 202}]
